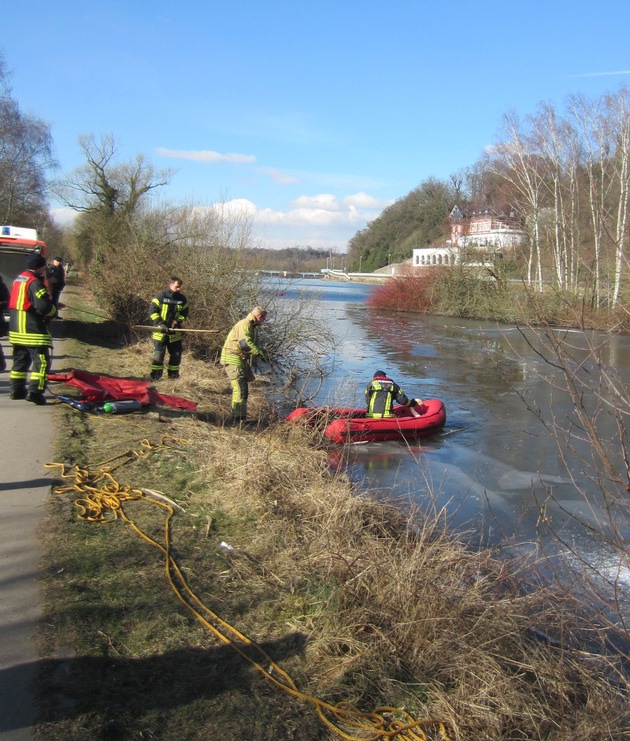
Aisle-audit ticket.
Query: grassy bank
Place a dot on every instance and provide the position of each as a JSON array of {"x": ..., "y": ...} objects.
[{"x": 357, "y": 601}]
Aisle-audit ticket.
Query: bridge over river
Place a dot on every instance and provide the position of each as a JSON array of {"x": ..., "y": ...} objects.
[{"x": 328, "y": 274}]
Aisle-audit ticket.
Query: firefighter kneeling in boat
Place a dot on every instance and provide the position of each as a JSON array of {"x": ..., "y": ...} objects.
[
  {"x": 240, "y": 346},
  {"x": 380, "y": 395}
]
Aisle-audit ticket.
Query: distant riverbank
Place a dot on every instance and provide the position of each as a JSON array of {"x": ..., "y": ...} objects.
[{"x": 459, "y": 292}]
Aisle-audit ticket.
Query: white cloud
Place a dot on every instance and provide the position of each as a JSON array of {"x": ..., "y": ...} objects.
[
  {"x": 599, "y": 74},
  {"x": 354, "y": 202},
  {"x": 278, "y": 176},
  {"x": 321, "y": 221},
  {"x": 235, "y": 208},
  {"x": 363, "y": 200},
  {"x": 322, "y": 201},
  {"x": 63, "y": 216},
  {"x": 204, "y": 155},
  {"x": 322, "y": 209}
]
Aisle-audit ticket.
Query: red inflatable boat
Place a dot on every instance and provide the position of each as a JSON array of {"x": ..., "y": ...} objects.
[{"x": 352, "y": 426}]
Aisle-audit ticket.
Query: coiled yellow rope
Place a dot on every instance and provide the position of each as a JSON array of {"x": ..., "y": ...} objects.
[{"x": 102, "y": 498}]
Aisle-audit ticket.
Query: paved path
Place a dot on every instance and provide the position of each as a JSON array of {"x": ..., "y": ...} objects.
[{"x": 26, "y": 435}]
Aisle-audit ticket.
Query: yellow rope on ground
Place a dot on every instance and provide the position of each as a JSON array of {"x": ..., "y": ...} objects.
[{"x": 102, "y": 498}]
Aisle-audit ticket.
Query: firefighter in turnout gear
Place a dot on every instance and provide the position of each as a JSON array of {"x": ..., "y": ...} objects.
[
  {"x": 57, "y": 280},
  {"x": 4, "y": 326},
  {"x": 167, "y": 312},
  {"x": 30, "y": 311},
  {"x": 240, "y": 346},
  {"x": 380, "y": 395}
]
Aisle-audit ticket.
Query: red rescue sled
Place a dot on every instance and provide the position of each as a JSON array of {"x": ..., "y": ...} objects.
[{"x": 352, "y": 426}]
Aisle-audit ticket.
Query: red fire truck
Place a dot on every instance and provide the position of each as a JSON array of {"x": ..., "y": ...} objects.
[{"x": 16, "y": 243}]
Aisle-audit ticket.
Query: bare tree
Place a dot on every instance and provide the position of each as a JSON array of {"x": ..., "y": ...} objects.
[
  {"x": 103, "y": 185},
  {"x": 588, "y": 119},
  {"x": 557, "y": 142},
  {"x": 25, "y": 155},
  {"x": 604, "y": 127},
  {"x": 516, "y": 159},
  {"x": 594, "y": 445},
  {"x": 618, "y": 119},
  {"x": 110, "y": 196},
  {"x": 553, "y": 162}
]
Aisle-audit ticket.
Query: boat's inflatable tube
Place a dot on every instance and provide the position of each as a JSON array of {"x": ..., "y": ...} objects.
[{"x": 351, "y": 425}]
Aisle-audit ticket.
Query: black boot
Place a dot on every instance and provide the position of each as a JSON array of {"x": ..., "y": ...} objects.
[
  {"x": 156, "y": 375},
  {"x": 36, "y": 398},
  {"x": 18, "y": 392}
]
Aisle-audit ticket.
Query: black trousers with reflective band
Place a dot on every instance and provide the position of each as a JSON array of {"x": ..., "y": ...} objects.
[
  {"x": 37, "y": 359},
  {"x": 174, "y": 356}
]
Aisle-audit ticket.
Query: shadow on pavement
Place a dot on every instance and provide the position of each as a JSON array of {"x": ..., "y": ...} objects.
[{"x": 123, "y": 689}]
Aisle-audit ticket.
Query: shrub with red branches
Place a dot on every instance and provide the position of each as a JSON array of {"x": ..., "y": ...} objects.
[{"x": 408, "y": 291}]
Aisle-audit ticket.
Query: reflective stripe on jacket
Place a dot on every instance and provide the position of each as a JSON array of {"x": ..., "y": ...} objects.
[
  {"x": 30, "y": 307},
  {"x": 241, "y": 342},
  {"x": 166, "y": 308},
  {"x": 380, "y": 394}
]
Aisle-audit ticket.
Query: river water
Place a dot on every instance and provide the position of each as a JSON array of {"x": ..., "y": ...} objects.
[{"x": 495, "y": 472}]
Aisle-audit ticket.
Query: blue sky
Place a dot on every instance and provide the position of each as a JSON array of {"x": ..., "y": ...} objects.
[{"x": 309, "y": 117}]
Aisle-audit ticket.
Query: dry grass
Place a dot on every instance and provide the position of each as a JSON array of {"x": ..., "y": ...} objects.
[
  {"x": 356, "y": 599},
  {"x": 397, "y": 610}
]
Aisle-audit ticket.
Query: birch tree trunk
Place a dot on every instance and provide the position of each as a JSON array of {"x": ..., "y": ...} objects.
[
  {"x": 515, "y": 162},
  {"x": 591, "y": 123},
  {"x": 618, "y": 110},
  {"x": 558, "y": 142}
]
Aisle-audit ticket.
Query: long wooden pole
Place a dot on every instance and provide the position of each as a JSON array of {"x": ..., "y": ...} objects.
[{"x": 174, "y": 329}]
